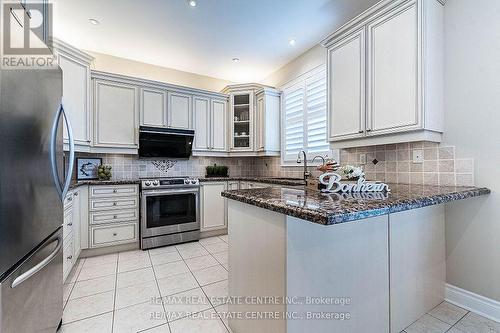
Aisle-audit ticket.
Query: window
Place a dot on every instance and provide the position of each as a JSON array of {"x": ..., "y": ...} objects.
[{"x": 304, "y": 117}]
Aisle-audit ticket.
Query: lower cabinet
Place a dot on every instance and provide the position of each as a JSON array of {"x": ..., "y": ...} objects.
[
  {"x": 71, "y": 230},
  {"x": 213, "y": 206},
  {"x": 113, "y": 215}
]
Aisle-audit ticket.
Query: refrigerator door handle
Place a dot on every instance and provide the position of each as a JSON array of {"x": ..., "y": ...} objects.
[
  {"x": 38, "y": 267},
  {"x": 61, "y": 189}
]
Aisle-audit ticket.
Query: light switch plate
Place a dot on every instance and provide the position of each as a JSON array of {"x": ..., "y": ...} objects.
[
  {"x": 418, "y": 156},
  {"x": 362, "y": 158}
]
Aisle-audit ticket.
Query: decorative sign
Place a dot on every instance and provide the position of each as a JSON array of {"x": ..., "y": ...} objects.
[
  {"x": 334, "y": 185},
  {"x": 86, "y": 168}
]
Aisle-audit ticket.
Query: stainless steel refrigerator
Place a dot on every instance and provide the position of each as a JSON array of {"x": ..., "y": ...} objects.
[{"x": 32, "y": 186}]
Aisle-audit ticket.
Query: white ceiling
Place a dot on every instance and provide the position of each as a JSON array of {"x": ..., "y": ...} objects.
[{"x": 203, "y": 39}]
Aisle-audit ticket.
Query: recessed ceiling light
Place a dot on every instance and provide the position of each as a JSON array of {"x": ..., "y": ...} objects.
[
  {"x": 94, "y": 21},
  {"x": 291, "y": 42},
  {"x": 192, "y": 3},
  {"x": 236, "y": 59}
]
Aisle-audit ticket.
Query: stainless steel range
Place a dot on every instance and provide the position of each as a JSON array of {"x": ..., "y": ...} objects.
[{"x": 170, "y": 211}]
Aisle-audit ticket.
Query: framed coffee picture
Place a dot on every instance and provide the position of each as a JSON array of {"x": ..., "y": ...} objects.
[{"x": 86, "y": 168}]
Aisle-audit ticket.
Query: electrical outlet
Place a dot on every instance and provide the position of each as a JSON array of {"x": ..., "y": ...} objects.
[
  {"x": 362, "y": 159},
  {"x": 418, "y": 156}
]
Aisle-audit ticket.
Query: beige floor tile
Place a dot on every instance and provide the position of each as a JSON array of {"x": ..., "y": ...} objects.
[
  {"x": 134, "y": 264},
  {"x": 131, "y": 255},
  {"x": 474, "y": 323},
  {"x": 138, "y": 293},
  {"x": 99, "y": 260},
  {"x": 216, "y": 248},
  {"x": 134, "y": 277},
  {"x": 158, "y": 329},
  {"x": 448, "y": 313},
  {"x": 206, "y": 322},
  {"x": 201, "y": 262},
  {"x": 98, "y": 324},
  {"x": 85, "y": 307},
  {"x": 170, "y": 269},
  {"x": 210, "y": 275},
  {"x": 192, "y": 251},
  {"x": 224, "y": 238},
  {"x": 221, "y": 257},
  {"x": 93, "y": 286},
  {"x": 223, "y": 312},
  {"x": 92, "y": 272},
  {"x": 73, "y": 274},
  {"x": 186, "y": 303},
  {"x": 164, "y": 258},
  {"x": 428, "y": 324},
  {"x": 217, "y": 292},
  {"x": 138, "y": 317},
  {"x": 210, "y": 240},
  {"x": 165, "y": 249},
  {"x": 177, "y": 283}
]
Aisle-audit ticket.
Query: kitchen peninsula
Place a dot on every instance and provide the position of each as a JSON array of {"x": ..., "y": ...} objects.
[{"x": 342, "y": 262}]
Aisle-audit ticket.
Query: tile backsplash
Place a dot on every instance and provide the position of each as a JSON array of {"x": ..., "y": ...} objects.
[{"x": 394, "y": 165}]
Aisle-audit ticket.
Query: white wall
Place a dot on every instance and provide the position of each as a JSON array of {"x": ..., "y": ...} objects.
[
  {"x": 117, "y": 65},
  {"x": 308, "y": 60},
  {"x": 472, "y": 107}
]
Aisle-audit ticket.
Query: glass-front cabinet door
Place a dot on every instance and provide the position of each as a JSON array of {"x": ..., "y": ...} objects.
[{"x": 242, "y": 121}]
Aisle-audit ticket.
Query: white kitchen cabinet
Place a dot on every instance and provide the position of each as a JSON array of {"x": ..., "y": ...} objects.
[
  {"x": 385, "y": 75},
  {"x": 210, "y": 125},
  {"x": 242, "y": 121},
  {"x": 75, "y": 66},
  {"x": 116, "y": 114},
  {"x": 153, "y": 107},
  {"x": 78, "y": 215},
  {"x": 218, "y": 125},
  {"x": 202, "y": 123},
  {"x": 213, "y": 206},
  {"x": 233, "y": 185},
  {"x": 179, "y": 110},
  {"x": 347, "y": 87},
  {"x": 267, "y": 138}
]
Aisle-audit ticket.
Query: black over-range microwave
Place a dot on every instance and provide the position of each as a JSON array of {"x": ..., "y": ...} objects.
[{"x": 165, "y": 142}]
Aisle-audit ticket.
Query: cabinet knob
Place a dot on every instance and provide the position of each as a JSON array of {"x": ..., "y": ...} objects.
[
  {"x": 75, "y": 194},
  {"x": 70, "y": 199},
  {"x": 115, "y": 190},
  {"x": 115, "y": 234},
  {"x": 114, "y": 203},
  {"x": 115, "y": 217},
  {"x": 70, "y": 257},
  {"x": 69, "y": 224}
]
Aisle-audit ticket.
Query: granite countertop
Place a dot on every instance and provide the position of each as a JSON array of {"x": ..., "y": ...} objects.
[
  {"x": 268, "y": 180},
  {"x": 104, "y": 182},
  {"x": 327, "y": 209}
]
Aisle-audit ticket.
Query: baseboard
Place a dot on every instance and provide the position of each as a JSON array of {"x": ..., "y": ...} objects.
[{"x": 481, "y": 305}]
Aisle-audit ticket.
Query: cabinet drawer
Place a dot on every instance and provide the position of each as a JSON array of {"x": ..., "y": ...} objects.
[
  {"x": 114, "y": 234},
  {"x": 111, "y": 191},
  {"x": 119, "y": 203},
  {"x": 68, "y": 259},
  {"x": 114, "y": 216},
  {"x": 68, "y": 222}
]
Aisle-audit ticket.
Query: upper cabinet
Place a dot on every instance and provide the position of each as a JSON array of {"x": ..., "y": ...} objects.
[
  {"x": 254, "y": 120},
  {"x": 179, "y": 110},
  {"x": 153, "y": 107},
  {"x": 75, "y": 66},
  {"x": 210, "y": 130},
  {"x": 385, "y": 75},
  {"x": 116, "y": 111}
]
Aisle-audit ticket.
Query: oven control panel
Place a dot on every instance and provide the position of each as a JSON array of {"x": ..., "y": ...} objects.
[{"x": 169, "y": 182}]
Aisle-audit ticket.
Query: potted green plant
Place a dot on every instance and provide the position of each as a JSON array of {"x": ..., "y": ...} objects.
[{"x": 217, "y": 171}]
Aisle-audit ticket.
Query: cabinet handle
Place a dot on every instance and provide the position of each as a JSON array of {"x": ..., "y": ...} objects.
[
  {"x": 369, "y": 130},
  {"x": 360, "y": 131},
  {"x": 115, "y": 234},
  {"x": 115, "y": 217},
  {"x": 75, "y": 194},
  {"x": 70, "y": 257},
  {"x": 114, "y": 203},
  {"x": 69, "y": 224},
  {"x": 115, "y": 190},
  {"x": 70, "y": 199}
]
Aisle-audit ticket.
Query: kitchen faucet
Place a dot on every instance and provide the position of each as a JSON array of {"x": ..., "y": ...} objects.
[{"x": 299, "y": 160}]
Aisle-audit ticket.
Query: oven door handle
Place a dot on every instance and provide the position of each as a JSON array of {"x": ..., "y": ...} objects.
[{"x": 169, "y": 192}]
